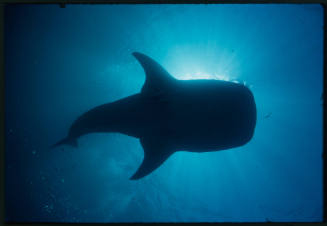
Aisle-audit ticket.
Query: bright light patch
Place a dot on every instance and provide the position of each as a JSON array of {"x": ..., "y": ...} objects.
[{"x": 203, "y": 75}]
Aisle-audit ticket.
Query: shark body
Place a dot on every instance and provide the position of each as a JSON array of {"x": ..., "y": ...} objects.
[{"x": 170, "y": 115}]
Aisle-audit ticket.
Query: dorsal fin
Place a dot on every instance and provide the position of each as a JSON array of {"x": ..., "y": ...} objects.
[
  {"x": 157, "y": 78},
  {"x": 156, "y": 152}
]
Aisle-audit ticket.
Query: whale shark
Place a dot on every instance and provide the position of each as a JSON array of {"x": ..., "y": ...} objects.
[{"x": 171, "y": 115}]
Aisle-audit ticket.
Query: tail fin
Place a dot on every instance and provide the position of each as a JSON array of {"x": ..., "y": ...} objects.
[{"x": 66, "y": 141}]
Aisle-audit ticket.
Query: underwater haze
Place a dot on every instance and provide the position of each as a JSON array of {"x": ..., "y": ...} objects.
[{"x": 61, "y": 62}]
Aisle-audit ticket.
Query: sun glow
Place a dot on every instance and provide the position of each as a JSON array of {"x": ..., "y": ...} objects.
[
  {"x": 203, "y": 75},
  {"x": 214, "y": 76}
]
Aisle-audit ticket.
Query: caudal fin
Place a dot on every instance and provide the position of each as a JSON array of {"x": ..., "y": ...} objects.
[{"x": 66, "y": 141}]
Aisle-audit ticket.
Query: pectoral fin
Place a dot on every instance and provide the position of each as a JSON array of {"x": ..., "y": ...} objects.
[
  {"x": 155, "y": 153},
  {"x": 157, "y": 78}
]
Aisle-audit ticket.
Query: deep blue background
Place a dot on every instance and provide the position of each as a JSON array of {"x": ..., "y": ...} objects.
[{"x": 62, "y": 62}]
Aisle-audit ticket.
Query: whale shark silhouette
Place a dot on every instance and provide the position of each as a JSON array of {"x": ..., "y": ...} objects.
[{"x": 170, "y": 115}]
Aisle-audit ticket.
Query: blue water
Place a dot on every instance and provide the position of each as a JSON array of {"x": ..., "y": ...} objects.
[{"x": 61, "y": 62}]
